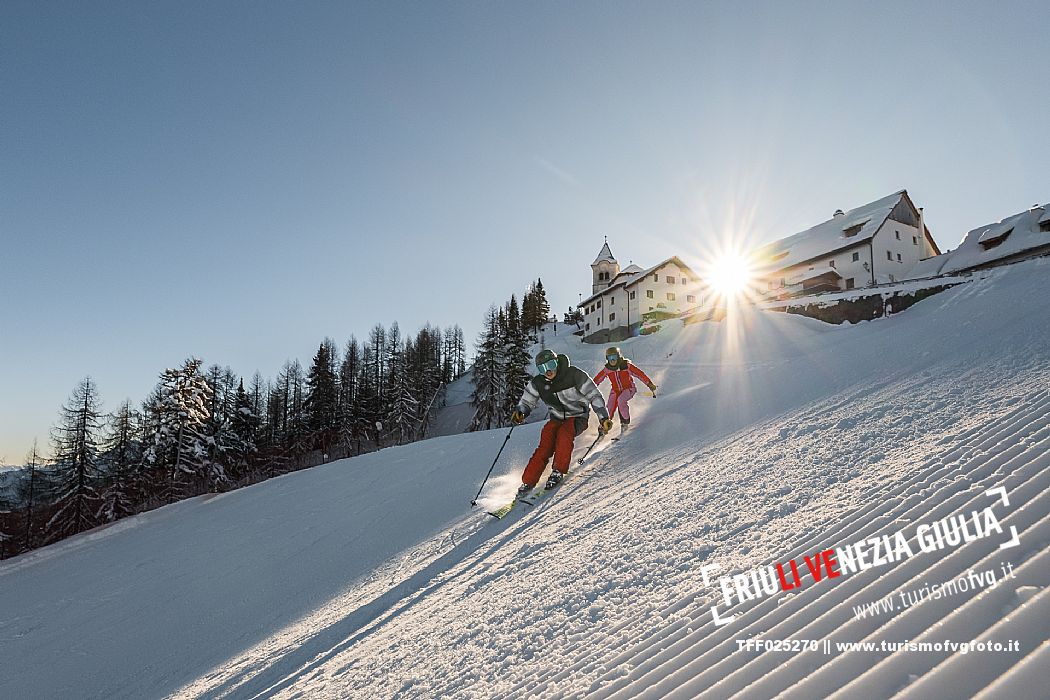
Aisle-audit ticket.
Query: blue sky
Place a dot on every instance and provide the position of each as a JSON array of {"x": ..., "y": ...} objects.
[{"x": 237, "y": 181}]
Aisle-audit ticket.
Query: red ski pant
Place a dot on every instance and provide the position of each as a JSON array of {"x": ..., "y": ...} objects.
[
  {"x": 557, "y": 438},
  {"x": 618, "y": 401}
]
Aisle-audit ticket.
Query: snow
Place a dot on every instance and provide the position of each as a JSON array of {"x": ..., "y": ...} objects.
[
  {"x": 773, "y": 436},
  {"x": 831, "y": 234},
  {"x": 886, "y": 290},
  {"x": 1024, "y": 235}
]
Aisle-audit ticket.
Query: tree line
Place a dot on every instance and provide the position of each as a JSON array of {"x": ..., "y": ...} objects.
[
  {"x": 502, "y": 362},
  {"x": 202, "y": 430}
]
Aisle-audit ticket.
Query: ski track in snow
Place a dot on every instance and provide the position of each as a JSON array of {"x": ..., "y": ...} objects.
[
  {"x": 627, "y": 617},
  {"x": 596, "y": 592}
]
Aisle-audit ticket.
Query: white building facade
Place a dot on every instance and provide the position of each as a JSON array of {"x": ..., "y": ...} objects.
[
  {"x": 620, "y": 299},
  {"x": 877, "y": 243}
]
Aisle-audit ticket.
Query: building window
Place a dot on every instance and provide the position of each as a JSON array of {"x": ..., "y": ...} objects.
[
  {"x": 889, "y": 255},
  {"x": 899, "y": 258},
  {"x": 587, "y": 327},
  {"x": 915, "y": 240},
  {"x": 690, "y": 298},
  {"x": 632, "y": 296},
  {"x": 783, "y": 281},
  {"x": 831, "y": 263},
  {"x": 856, "y": 257},
  {"x": 650, "y": 308},
  {"x": 685, "y": 280},
  {"x": 853, "y": 230},
  {"x": 1044, "y": 226},
  {"x": 599, "y": 305},
  {"x": 612, "y": 317},
  {"x": 656, "y": 278},
  {"x": 670, "y": 280},
  {"x": 612, "y": 300},
  {"x": 649, "y": 293},
  {"x": 898, "y": 235},
  {"x": 850, "y": 284},
  {"x": 670, "y": 296}
]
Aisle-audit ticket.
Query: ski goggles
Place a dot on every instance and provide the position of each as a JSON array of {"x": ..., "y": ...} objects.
[
  {"x": 612, "y": 357},
  {"x": 548, "y": 366}
]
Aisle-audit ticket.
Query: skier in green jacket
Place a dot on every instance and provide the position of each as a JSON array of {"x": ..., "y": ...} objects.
[{"x": 570, "y": 394}]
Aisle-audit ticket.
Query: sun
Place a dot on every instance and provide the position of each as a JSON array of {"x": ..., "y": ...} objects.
[{"x": 730, "y": 275}]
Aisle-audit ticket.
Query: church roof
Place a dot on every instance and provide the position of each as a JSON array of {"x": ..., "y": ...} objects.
[{"x": 604, "y": 255}]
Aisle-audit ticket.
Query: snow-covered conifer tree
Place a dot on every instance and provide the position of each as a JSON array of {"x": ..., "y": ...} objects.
[
  {"x": 243, "y": 435},
  {"x": 179, "y": 442},
  {"x": 487, "y": 397},
  {"x": 401, "y": 415},
  {"x": 516, "y": 359}
]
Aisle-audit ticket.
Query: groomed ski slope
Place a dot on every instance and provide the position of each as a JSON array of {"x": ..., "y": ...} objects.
[{"x": 773, "y": 437}]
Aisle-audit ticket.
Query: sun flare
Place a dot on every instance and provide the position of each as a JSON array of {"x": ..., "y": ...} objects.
[{"x": 730, "y": 275}]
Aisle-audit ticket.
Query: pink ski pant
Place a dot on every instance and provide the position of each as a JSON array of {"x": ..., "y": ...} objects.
[{"x": 618, "y": 401}]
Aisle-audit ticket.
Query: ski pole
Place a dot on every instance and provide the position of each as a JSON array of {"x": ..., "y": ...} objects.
[
  {"x": 600, "y": 436},
  {"x": 475, "y": 501}
]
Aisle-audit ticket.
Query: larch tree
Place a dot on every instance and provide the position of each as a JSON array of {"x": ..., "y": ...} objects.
[
  {"x": 122, "y": 483},
  {"x": 76, "y": 470},
  {"x": 29, "y": 494}
]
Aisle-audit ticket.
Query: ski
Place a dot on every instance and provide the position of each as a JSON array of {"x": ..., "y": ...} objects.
[
  {"x": 502, "y": 511},
  {"x": 505, "y": 509},
  {"x": 534, "y": 497}
]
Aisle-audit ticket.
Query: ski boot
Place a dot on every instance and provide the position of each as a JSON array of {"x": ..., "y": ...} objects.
[
  {"x": 624, "y": 425},
  {"x": 523, "y": 491},
  {"x": 553, "y": 480}
]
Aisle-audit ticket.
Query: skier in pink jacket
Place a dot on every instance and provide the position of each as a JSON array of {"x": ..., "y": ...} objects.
[{"x": 621, "y": 372}]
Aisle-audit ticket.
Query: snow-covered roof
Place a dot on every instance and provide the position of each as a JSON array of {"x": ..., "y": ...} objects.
[
  {"x": 627, "y": 274},
  {"x": 673, "y": 259},
  {"x": 838, "y": 232},
  {"x": 986, "y": 244},
  {"x": 604, "y": 255},
  {"x": 635, "y": 277}
]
